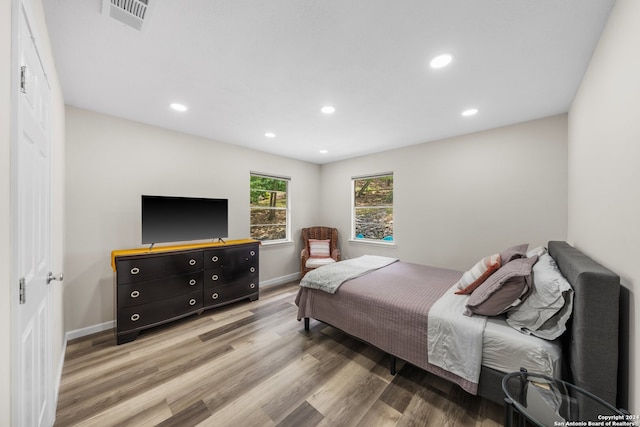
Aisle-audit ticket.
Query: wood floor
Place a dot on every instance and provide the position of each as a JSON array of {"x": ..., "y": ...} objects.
[{"x": 252, "y": 364}]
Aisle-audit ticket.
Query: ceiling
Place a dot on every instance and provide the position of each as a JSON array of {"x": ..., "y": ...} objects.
[{"x": 247, "y": 67}]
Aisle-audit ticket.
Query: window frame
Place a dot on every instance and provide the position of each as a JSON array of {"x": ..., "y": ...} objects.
[
  {"x": 353, "y": 237},
  {"x": 287, "y": 209}
]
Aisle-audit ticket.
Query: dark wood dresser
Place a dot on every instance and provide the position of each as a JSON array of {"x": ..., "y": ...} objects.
[{"x": 157, "y": 286}]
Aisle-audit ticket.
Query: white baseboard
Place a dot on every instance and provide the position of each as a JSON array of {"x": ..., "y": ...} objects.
[
  {"x": 78, "y": 333},
  {"x": 280, "y": 280},
  {"x": 89, "y": 330}
]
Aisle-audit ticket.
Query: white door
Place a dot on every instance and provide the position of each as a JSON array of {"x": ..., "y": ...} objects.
[{"x": 32, "y": 367}]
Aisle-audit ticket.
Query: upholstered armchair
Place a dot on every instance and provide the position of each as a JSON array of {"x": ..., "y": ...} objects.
[{"x": 315, "y": 252}]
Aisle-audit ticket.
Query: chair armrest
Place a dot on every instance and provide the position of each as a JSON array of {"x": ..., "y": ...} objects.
[
  {"x": 304, "y": 255},
  {"x": 336, "y": 254}
]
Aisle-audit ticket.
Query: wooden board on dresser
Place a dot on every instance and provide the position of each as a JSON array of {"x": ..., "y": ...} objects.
[{"x": 163, "y": 284}]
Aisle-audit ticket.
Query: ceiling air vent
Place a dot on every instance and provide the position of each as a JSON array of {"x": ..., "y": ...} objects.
[{"x": 130, "y": 12}]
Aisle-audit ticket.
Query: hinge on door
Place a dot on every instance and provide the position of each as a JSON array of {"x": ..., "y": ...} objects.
[
  {"x": 23, "y": 291},
  {"x": 23, "y": 79}
]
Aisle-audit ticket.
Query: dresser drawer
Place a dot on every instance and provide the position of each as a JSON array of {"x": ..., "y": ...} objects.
[
  {"x": 139, "y": 269},
  {"x": 130, "y": 318},
  {"x": 224, "y": 276},
  {"x": 230, "y": 258},
  {"x": 218, "y": 295},
  {"x": 137, "y": 293}
]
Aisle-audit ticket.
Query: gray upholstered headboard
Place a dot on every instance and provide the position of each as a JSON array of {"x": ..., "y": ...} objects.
[{"x": 591, "y": 341}]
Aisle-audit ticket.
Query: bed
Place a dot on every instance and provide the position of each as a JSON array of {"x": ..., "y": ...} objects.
[{"x": 387, "y": 308}]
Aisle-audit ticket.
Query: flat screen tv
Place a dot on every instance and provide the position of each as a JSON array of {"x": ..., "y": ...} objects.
[{"x": 178, "y": 219}]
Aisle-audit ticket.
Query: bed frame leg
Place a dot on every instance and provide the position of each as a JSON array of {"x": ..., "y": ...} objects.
[
  {"x": 508, "y": 412},
  {"x": 306, "y": 324},
  {"x": 392, "y": 367}
]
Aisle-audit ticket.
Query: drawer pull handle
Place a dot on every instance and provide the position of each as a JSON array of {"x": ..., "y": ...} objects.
[
  {"x": 192, "y": 282},
  {"x": 135, "y": 270},
  {"x": 135, "y": 294},
  {"x": 214, "y": 258},
  {"x": 252, "y": 286},
  {"x": 253, "y": 253},
  {"x": 135, "y": 317},
  {"x": 214, "y": 277},
  {"x": 192, "y": 262},
  {"x": 252, "y": 269},
  {"x": 192, "y": 301},
  {"x": 215, "y": 296}
]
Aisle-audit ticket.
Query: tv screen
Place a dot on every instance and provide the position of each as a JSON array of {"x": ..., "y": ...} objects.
[{"x": 176, "y": 219}]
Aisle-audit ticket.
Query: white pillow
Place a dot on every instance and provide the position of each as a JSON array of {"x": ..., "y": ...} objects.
[
  {"x": 546, "y": 311},
  {"x": 540, "y": 250},
  {"x": 319, "y": 248}
]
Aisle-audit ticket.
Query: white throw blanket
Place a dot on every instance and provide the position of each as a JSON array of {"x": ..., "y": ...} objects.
[
  {"x": 328, "y": 278},
  {"x": 455, "y": 341}
]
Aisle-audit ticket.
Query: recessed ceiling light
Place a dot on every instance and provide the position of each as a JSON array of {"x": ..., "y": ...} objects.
[
  {"x": 179, "y": 107},
  {"x": 270, "y": 135},
  {"x": 470, "y": 112},
  {"x": 441, "y": 61},
  {"x": 324, "y": 151},
  {"x": 328, "y": 109}
]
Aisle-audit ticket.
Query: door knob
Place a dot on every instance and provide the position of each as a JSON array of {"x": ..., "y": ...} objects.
[{"x": 51, "y": 277}]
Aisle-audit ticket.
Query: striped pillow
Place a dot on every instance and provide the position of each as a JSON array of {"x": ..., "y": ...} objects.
[
  {"x": 319, "y": 248},
  {"x": 478, "y": 274}
]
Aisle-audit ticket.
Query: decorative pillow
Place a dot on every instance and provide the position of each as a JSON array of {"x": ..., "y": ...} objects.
[
  {"x": 503, "y": 290},
  {"x": 319, "y": 248},
  {"x": 546, "y": 311},
  {"x": 514, "y": 252},
  {"x": 478, "y": 274}
]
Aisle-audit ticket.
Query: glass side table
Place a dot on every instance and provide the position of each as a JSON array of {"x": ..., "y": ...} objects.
[{"x": 547, "y": 401}]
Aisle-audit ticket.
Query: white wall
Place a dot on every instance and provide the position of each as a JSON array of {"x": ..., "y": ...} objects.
[
  {"x": 5, "y": 211},
  {"x": 111, "y": 162},
  {"x": 604, "y": 157},
  {"x": 456, "y": 200},
  {"x": 460, "y": 199}
]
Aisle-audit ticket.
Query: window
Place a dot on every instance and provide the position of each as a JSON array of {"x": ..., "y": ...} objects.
[
  {"x": 269, "y": 203},
  {"x": 373, "y": 207}
]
